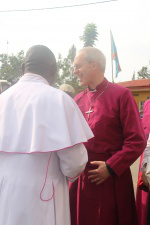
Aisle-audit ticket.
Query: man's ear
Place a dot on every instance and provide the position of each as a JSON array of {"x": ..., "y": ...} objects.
[{"x": 23, "y": 68}]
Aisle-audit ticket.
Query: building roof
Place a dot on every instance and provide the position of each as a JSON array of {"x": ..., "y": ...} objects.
[{"x": 142, "y": 84}]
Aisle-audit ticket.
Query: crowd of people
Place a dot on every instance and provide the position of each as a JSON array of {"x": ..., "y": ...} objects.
[{"x": 66, "y": 161}]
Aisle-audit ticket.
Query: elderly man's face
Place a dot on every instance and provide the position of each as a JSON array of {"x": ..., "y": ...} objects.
[{"x": 83, "y": 69}]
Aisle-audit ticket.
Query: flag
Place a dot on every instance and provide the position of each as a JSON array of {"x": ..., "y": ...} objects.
[{"x": 114, "y": 55}]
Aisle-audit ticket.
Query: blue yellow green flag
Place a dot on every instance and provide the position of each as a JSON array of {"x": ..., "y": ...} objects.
[{"x": 114, "y": 55}]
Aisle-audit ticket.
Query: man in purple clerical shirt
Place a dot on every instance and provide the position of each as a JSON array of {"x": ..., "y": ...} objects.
[{"x": 105, "y": 190}]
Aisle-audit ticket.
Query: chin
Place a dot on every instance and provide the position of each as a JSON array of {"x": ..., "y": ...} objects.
[{"x": 83, "y": 84}]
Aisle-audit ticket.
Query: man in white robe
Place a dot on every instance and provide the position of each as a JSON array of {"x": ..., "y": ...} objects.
[{"x": 41, "y": 136}]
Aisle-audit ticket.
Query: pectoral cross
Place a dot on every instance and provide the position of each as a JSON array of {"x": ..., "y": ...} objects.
[{"x": 89, "y": 112}]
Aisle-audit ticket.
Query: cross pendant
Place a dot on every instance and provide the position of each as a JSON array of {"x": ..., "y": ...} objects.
[{"x": 89, "y": 112}]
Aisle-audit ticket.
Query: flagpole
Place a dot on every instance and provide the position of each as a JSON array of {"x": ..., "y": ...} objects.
[{"x": 111, "y": 57}]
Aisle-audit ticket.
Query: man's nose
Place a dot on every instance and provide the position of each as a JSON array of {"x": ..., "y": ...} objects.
[{"x": 75, "y": 71}]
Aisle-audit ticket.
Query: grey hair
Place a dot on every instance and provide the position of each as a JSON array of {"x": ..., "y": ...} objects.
[{"x": 94, "y": 55}]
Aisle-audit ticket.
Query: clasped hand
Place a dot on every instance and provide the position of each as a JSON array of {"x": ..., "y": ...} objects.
[
  {"x": 145, "y": 181},
  {"x": 100, "y": 174}
]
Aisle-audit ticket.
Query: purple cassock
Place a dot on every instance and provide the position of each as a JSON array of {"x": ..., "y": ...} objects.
[
  {"x": 141, "y": 195},
  {"x": 119, "y": 140}
]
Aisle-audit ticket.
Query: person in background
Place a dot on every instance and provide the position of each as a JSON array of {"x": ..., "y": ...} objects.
[
  {"x": 142, "y": 188},
  {"x": 67, "y": 88}
]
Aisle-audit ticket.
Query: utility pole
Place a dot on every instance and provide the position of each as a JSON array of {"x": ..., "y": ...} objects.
[
  {"x": 7, "y": 47},
  {"x": 111, "y": 58}
]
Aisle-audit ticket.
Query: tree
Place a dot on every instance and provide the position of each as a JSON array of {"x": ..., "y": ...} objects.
[
  {"x": 65, "y": 68},
  {"x": 144, "y": 73},
  {"x": 11, "y": 66},
  {"x": 90, "y": 35},
  {"x": 133, "y": 77}
]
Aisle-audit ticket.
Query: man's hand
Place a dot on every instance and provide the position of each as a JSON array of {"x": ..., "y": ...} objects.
[
  {"x": 100, "y": 174},
  {"x": 144, "y": 179}
]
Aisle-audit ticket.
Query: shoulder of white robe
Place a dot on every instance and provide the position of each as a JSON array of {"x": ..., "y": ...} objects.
[{"x": 26, "y": 131}]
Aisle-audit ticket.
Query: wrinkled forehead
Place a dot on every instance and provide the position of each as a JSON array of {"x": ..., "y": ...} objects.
[{"x": 79, "y": 58}]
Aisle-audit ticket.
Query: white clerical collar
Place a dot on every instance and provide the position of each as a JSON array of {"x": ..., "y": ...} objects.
[
  {"x": 92, "y": 90},
  {"x": 31, "y": 77}
]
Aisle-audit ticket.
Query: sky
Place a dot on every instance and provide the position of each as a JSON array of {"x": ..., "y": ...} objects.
[{"x": 59, "y": 29}]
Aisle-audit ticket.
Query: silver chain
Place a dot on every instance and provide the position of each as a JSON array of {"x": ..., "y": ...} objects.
[{"x": 98, "y": 96}]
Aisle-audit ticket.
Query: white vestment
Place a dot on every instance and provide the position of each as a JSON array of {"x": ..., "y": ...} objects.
[
  {"x": 41, "y": 136},
  {"x": 146, "y": 155}
]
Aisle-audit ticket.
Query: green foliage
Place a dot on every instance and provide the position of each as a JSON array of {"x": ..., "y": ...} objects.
[
  {"x": 144, "y": 73},
  {"x": 10, "y": 66},
  {"x": 65, "y": 69},
  {"x": 133, "y": 77},
  {"x": 90, "y": 35}
]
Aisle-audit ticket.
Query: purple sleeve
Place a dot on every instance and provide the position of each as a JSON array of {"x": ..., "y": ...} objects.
[{"x": 134, "y": 137}]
